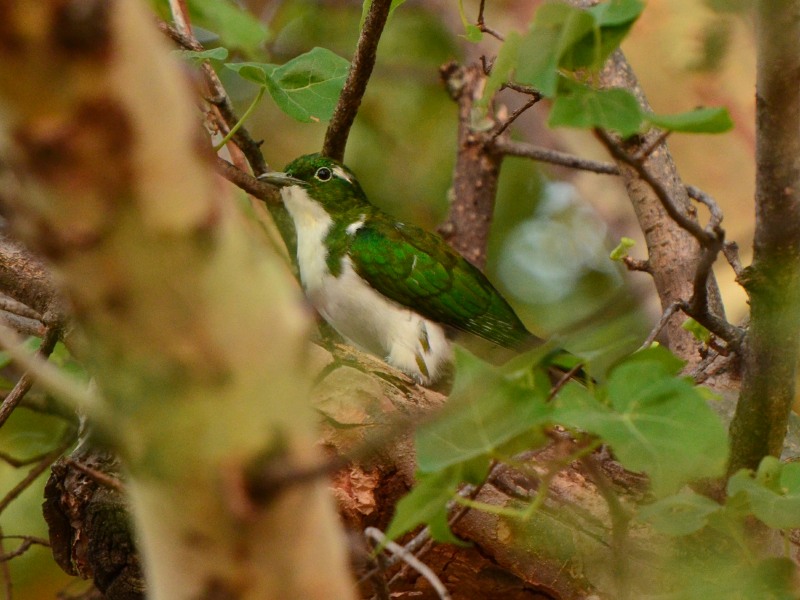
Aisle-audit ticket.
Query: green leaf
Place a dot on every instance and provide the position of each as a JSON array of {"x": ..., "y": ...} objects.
[
  {"x": 701, "y": 120},
  {"x": 213, "y": 53},
  {"x": 655, "y": 422},
  {"x": 486, "y": 409},
  {"x": 621, "y": 251},
  {"x": 614, "y": 20},
  {"x": 555, "y": 29},
  {"x": 427, "y": 503},
  {"x": 667, "y": 361},
  {"x": 583, "y": 107},
  {"x": 306, "y": 88},
  {"x": 680, "y": 514},
  {"x": 774, "y": 493},
  {"x": 699, "y": 332},
  {"x": 503, "y": 67},
  {"x": 237, "y": 28}
]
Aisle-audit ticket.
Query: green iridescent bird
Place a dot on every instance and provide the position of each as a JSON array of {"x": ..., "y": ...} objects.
[{"x": 388, "y": 287}]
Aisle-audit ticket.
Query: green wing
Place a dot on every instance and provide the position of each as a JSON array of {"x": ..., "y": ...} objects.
[{"x": 418, "y": 269}]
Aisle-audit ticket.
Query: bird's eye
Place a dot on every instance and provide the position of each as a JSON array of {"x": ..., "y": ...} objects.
[{"x": 323, "y": 174}]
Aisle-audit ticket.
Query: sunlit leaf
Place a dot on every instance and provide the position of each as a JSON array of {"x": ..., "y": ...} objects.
[
  {"x": 621, "y": 251},
  {"x": 306, "y": 88},
  {"x": 583, "y": 107},
  {"x": 701, "y": 120}
]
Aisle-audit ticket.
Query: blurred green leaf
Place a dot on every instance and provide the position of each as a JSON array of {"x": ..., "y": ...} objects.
[
  {"x": 503, "y": 67},
  {"x": 654, "y": 421},
  {"x": 306, "y": 88},
  {"x": 237, "y": 28},
  {"x": 486, "y": 409},
  {"x": 583, "y": 107},
  {"x": 774, "y": 492},
  {"x": 701, "y": 120},
  {"x": 699, "y": 332},
  {"x": 680, "y": 514},
  {"x": 555, "y": 29},
  {"x": 621, "y": 251},
  {"x": 426, "y": 504}
]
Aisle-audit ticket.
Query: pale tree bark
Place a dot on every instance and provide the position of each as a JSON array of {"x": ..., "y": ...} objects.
[{"x": 194, "y": 329}]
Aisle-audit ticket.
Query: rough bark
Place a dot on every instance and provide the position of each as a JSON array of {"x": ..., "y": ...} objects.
[
  {"x": 476, "y": 172},
  {"x": 673, "y": 253},
  {"x": 195, "y": 331}
]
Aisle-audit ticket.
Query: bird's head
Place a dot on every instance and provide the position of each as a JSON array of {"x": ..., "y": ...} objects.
[{"x": 325, "y": 180}]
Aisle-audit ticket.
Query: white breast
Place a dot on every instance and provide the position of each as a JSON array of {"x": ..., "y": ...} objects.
[{"x": 369, "y": 320}]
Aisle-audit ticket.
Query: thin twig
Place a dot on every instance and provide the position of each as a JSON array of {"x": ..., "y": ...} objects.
[
  {"x": 67, "y": 440},
  {"x": 564, "y": 159},
  {"x": 637, "y": 264},
  {"x": 731, "y": 252},
  {"x": 411, "y": 560},
  {"x": 505, "y": 124},
  {"x": 26, "y": 381},
  {"x": 692, "y": 227},
  {"x": 646, "y": 151},
  {"x": 221, "y": 102},
  {"x": 6, "y": 570},
  {"x": 665, "y": 316},
  {"x": 23, "y": 325},
  {"x": 27, "y": 542},
  {"x": 485, "y": 28},
  {"x": 44, "y": 373},
  {"x": 360, "y": 70},
  {"x": 102, "y": 478},
  {"x": 255, "y": 187},
  {"x": 18, "y": 308},
  {"x": 713, "y": 208}
]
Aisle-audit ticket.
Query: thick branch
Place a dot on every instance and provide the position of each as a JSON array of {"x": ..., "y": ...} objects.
[
  {"x": 476, "y": 172},
  {"x": 673, "y": 251},
  {"x": 357, "y": 79},
  {"x": 773, "y": 279}
]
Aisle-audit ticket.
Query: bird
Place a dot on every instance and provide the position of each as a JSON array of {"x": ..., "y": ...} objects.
[{"x": 389, "y": 288}]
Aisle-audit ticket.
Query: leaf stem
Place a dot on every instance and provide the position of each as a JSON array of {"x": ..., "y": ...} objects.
[{"x": 241, "y": 121}]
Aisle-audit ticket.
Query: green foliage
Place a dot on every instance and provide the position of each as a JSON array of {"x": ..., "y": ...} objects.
[
  {"x": 621, "y": 251},
  {"x": 585, "y": 107},
  {"x": 237, "y": 28},
  {"x": 306, "y": 87},
  {"x": 486, "y": 410},
  {"x": 680, "y": 514},
  {"x": 773, "y": 493},
  {"x": 701, "y": 120},
  {"x": 655, "y": 421},
  {"x": 699, "y": 332},
  {"x": 559, "y": 56},
  {"x": 427, "y": 502}
]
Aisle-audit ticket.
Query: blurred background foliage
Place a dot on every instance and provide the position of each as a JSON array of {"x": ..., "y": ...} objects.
[{"x": 553, "y": 227}]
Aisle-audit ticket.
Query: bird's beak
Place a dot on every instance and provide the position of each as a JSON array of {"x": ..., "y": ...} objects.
[{"x": 280, "y": 179}]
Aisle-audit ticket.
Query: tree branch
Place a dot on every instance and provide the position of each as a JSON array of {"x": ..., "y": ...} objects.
[
  {"x": 773, "y": 279},
  {"x": 357, "y": 79}
]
